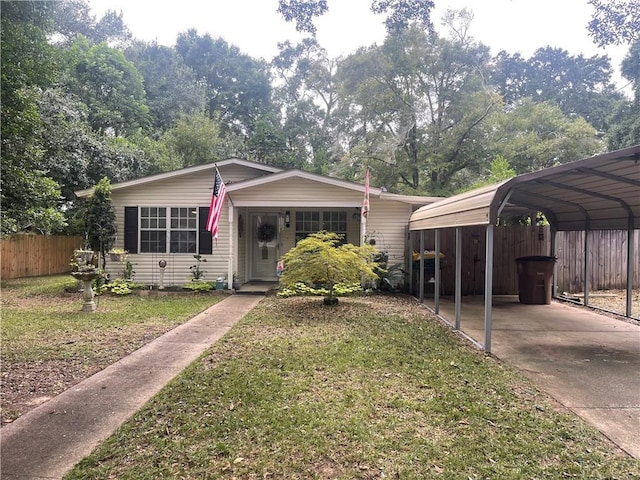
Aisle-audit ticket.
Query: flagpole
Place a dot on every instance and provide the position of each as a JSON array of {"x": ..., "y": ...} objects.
[
  {"x": 363, "y": 228},
  {"x": 364, "y": 210},
  {"x": 218, "y": 196},
  {"x": 227, "y": 193}
]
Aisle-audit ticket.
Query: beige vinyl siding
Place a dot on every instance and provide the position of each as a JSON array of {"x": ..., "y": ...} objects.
[
  {"x": 297, "y": 191},
  {"x": 387, "y": 222},
  {"x": 191, "y": 191}
]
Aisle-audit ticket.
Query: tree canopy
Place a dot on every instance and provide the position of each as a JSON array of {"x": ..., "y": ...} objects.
[
  {"x": 426, "y": 113},
  {"x": 615, "y": 22}
]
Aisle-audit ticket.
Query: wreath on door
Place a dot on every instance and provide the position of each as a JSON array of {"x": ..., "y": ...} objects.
[{"x": 266, "y": 233}]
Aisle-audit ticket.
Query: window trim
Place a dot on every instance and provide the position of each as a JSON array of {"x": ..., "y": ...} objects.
[
  {"x": 321, "y": 222},
  {"x": 190, "y": 211},
  {"x": 168, "y": 229}
]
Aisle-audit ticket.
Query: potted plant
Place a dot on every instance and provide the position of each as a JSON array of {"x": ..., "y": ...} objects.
[
  {"x": 83, "y": 256},
  {"x": 118, "y": 254},
  {"x": 196, "y": 272}
]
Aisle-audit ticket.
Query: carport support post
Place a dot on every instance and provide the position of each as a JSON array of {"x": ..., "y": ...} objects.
[
  {"x": 630, "y": 266},
  {"x": 554, "y": 254},
  {"x": 436, "y": 290},
  {"x": 458, "y": 295},
  {"x": 587, "y": 265},
  {"x": 488, "y": 288},
  {"x": 421, "y": 274}
]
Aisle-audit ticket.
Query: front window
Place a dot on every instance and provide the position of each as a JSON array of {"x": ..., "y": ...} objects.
[
  {"x": 153, "y": 229},
  {"x": 335, "y": 222},
  {"x": 176, "y": 234},
  {"x": 183, "y": 230},
  {"x": 314, "y": 221}
]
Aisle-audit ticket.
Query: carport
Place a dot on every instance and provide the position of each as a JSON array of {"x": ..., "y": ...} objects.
[{"x": 596, "y": 193}]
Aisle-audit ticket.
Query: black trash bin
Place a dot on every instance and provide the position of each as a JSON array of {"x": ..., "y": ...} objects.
[
  {"x": 535, "y": 279},
  {"x": 429, "y": 271}
]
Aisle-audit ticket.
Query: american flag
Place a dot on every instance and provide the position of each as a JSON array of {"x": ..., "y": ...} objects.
[
  {"x": 215, "y": 209},
  {"x": 365, "y": 202}
]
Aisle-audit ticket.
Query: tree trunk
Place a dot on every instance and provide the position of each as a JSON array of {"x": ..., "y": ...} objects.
[{"x": 412, "y": 151}]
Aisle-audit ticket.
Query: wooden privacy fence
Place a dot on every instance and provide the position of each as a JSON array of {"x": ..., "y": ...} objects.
[
  {"x": 608, "y": 251},
  {"x": 34, "y": 255}
]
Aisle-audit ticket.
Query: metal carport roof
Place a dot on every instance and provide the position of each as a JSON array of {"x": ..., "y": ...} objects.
[{"x": 596, "y": 193}]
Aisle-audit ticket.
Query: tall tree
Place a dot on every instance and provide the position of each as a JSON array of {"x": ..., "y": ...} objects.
[
  {"x": 171, "y": 87},
  {"x": 28, "y": 64},
  {"x": 580, "y": 86},
  {"x": 302, "y": 12},
  {"x": 73, "y": 17},
  {"x": 420, "y": 103},
  {"x": 268, "y": 144},
  {"x": 110, "y": 86},
  {"x": 400, "y": 13},
  {"x": 533, "y": 136},
  {"x": 626, "y": 116},
  {"x": 615, "y": 22},
  {"x": 48, "y": 147},
  {"x": 238, "y": 91},
  {"x": 73, "y": 154},
  {"x": 307, "y": 96},
  {"x": 193, "y": 140}
]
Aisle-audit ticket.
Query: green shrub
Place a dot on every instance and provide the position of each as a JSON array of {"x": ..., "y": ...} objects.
[
  {"x": 301, "y": 289},
  {"x": 320, "y": 260},
  {"x": 120, "y": 286},
  {"x": 198, "y": 286}
]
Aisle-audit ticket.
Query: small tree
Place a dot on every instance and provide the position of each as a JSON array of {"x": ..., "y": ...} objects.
[
  {"x": 101, "y": 220},
  {"x": 319, "y": 259}
]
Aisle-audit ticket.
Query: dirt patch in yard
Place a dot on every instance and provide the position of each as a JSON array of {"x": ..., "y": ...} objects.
[
  {"x": 48, "y": 345},
  {"x": 614, "y": 301},
  {"x": 27, "y": 384}
]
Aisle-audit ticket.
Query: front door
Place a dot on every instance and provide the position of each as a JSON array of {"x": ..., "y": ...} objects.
[{"x": 263, "y": 247}]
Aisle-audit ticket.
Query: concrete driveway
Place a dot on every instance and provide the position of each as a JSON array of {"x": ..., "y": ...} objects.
[{"x": 587, "y": 361}]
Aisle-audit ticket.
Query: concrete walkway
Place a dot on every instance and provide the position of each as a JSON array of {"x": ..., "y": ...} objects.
[
  {"x": 587, "y": 361},
  {"x": 49, "y": 440}
]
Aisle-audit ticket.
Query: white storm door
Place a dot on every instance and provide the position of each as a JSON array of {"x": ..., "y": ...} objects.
[{"x": 264, "y": 246}]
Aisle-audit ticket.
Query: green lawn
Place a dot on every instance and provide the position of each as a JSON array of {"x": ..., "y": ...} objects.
[
  {"x": 48, "y": 344},
  {"x": 372, "y": 388}
]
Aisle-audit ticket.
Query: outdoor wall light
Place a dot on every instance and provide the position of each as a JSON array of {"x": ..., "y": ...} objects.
[{"x": 287, "y": 218}]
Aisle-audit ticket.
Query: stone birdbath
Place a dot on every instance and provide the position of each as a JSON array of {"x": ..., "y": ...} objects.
[{"x": 86, "y": 277}]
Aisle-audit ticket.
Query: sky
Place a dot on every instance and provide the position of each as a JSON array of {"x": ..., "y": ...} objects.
[{"x": 256, "y": 27}]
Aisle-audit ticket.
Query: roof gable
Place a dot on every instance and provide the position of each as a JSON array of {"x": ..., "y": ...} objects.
[
  {"x": 288, "y": 174},
  {"x": 270, "y": 175},
  {"x": 335, "y": 182},
  {"x": 208, "y": 167}
]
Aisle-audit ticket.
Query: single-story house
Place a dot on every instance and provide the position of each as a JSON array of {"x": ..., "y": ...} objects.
[{"x": 266, "y": 210}]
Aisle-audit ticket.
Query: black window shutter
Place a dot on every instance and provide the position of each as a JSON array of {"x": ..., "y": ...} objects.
[
  {"x": 131, "y": 229},
  {"x": 204, "y": 236}
]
